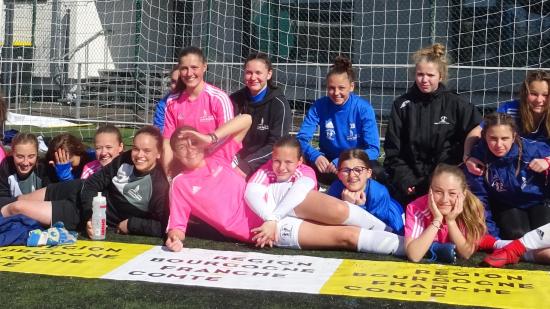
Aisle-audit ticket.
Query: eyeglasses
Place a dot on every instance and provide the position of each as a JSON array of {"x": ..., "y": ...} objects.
[{"x": 357, "y": 170}]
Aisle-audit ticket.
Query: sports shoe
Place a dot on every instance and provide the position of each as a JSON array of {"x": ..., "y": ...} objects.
[
  {"x": 508, "y": 254},
  {"x": 441, "y": 252},
  {"x": 486, "y": 243},
  {"x": 55, "y": 235}
]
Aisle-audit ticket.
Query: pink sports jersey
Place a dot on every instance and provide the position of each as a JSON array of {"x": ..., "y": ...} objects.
[
  {"x": 206, "y": 113},
  {"x": 2, "y": 153},
  {"x": 214, "y": 193},
  {"x": 265, "y": 174},
  {"x": 90, "y": 168},
  {"x": 418, "y": 217}
]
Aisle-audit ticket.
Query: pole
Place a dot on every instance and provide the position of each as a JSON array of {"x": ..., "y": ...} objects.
[{"x": 78, "y": 90}]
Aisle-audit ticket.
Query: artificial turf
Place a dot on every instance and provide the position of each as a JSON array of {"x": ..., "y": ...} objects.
[{"x": 39, "y": 291}]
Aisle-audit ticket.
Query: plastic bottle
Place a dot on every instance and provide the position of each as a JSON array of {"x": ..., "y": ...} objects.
[{"x": 99, "y": 217}]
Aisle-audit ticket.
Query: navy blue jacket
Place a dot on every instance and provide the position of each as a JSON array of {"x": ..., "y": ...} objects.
[
  {"x": 502, "y": 186},
  {"x": 14, "y": 230}
]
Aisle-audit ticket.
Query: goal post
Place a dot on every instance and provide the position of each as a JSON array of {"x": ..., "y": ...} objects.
[{"x": 89, "y": 61}]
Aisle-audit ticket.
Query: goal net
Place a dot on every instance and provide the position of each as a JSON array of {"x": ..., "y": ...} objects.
[{"x": 91, "y": 62}]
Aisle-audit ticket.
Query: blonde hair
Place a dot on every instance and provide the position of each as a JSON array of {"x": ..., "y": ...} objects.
[
  {"x": 528, "y": 124},
  {"x": 434, "y": 54},
  {"x": 472, "y": 218}
]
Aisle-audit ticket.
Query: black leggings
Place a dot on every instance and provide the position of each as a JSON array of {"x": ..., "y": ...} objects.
[{"x": 515, "y": 222}]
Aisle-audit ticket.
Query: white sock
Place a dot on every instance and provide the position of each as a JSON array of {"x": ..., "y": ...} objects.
[
  {"x": 380, "y": 242},
  {"x": 362, "y": 218},
  {"x": 501, "y": 243},
  {"x": 538, "y": 238}
]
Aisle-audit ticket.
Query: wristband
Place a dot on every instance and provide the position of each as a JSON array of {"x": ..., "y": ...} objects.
[
  {"x": 214, "y": 138},
  {"x": 437, "y": 227}
]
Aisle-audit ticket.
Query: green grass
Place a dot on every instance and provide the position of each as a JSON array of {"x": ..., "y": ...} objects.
[
  {"x": 37, "y": 291},
  {"x": 86, "y": 133}
]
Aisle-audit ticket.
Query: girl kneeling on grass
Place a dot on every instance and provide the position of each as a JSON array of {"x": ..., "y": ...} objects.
[
  {"x": 448, "y": 213},
  {"x": 211, "y": 190}
]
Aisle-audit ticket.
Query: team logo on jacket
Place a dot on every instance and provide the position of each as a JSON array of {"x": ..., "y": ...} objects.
[
  {"x": 442, "y": 120},
  {"x": 523, "y": 182},
  {"x": 329, "y": 127},
  {"x": 404, "y": 104},
  {"x": 352, "y": 136},
  {"x": 206, "y": 117},
  {"x": 497, "y": 184},
  {"x": 261, "y": 126},
  {"x": 135, "y": 193}
]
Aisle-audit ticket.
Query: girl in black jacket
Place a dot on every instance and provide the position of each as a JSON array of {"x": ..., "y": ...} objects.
[
  {"x": 270, "y": 111},
  {"x": 134, "y": 185},
  {"x": 22, "y": 172},
  {"x": 427, "y": 126}
]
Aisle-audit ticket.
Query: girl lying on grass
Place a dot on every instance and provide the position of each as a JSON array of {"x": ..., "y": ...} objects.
[
  {"x": 211, "y": 190},
  {"x": 450, "y": 212},
  {"x": 356, "y": 186},
  {"x": 134, "y": 185},
  {"x": 278, "y": 207}
]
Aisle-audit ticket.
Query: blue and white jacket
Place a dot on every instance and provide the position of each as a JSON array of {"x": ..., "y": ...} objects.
[
  {"x": 379, "y": 203},
  {"x": 502, "y": 186},
  {"x": 341, "y": 127}
]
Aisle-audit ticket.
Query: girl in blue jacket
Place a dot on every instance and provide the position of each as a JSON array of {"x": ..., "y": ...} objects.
[
  {"x": 355, "y": 185},
  {"x": 345, "y": 121},
  {"x": 510, "y": 187}
]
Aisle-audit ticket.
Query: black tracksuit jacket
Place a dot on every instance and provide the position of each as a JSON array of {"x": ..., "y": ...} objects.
[
  {"x": 271, "y": 119},
  {"x": 424, "y": 130}
]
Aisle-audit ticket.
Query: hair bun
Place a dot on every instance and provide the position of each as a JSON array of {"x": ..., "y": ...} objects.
[
  {"x": 438, "y": 50},
  {"x": 342, "y": 63}
]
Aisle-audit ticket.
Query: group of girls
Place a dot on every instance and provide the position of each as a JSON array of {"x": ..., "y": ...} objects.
[
  {"x": 501, "y": 191},
  {"x": 132, "y": 181}
]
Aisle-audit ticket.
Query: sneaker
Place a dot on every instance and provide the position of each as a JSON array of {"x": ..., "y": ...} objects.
[
  {"x": 441, "y": 252},
  {"x": 508, "y": 254},
  {"x": 486, "y": 243}
]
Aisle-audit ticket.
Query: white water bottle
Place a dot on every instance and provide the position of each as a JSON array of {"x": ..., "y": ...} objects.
[{"x": 99, "y": 217}]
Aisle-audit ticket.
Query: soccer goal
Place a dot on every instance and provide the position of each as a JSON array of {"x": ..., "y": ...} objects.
[{"x": 92, "y": 62}]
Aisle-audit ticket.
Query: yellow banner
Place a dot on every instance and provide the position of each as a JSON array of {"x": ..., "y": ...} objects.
[
  {"x": 87, "y": 259},
  {"x": 504, "y": 288}
]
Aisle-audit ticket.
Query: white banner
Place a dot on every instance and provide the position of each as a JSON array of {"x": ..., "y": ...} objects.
[
  {"x": 228, "y": 269},
  {"x": 14, "y": 119}
]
